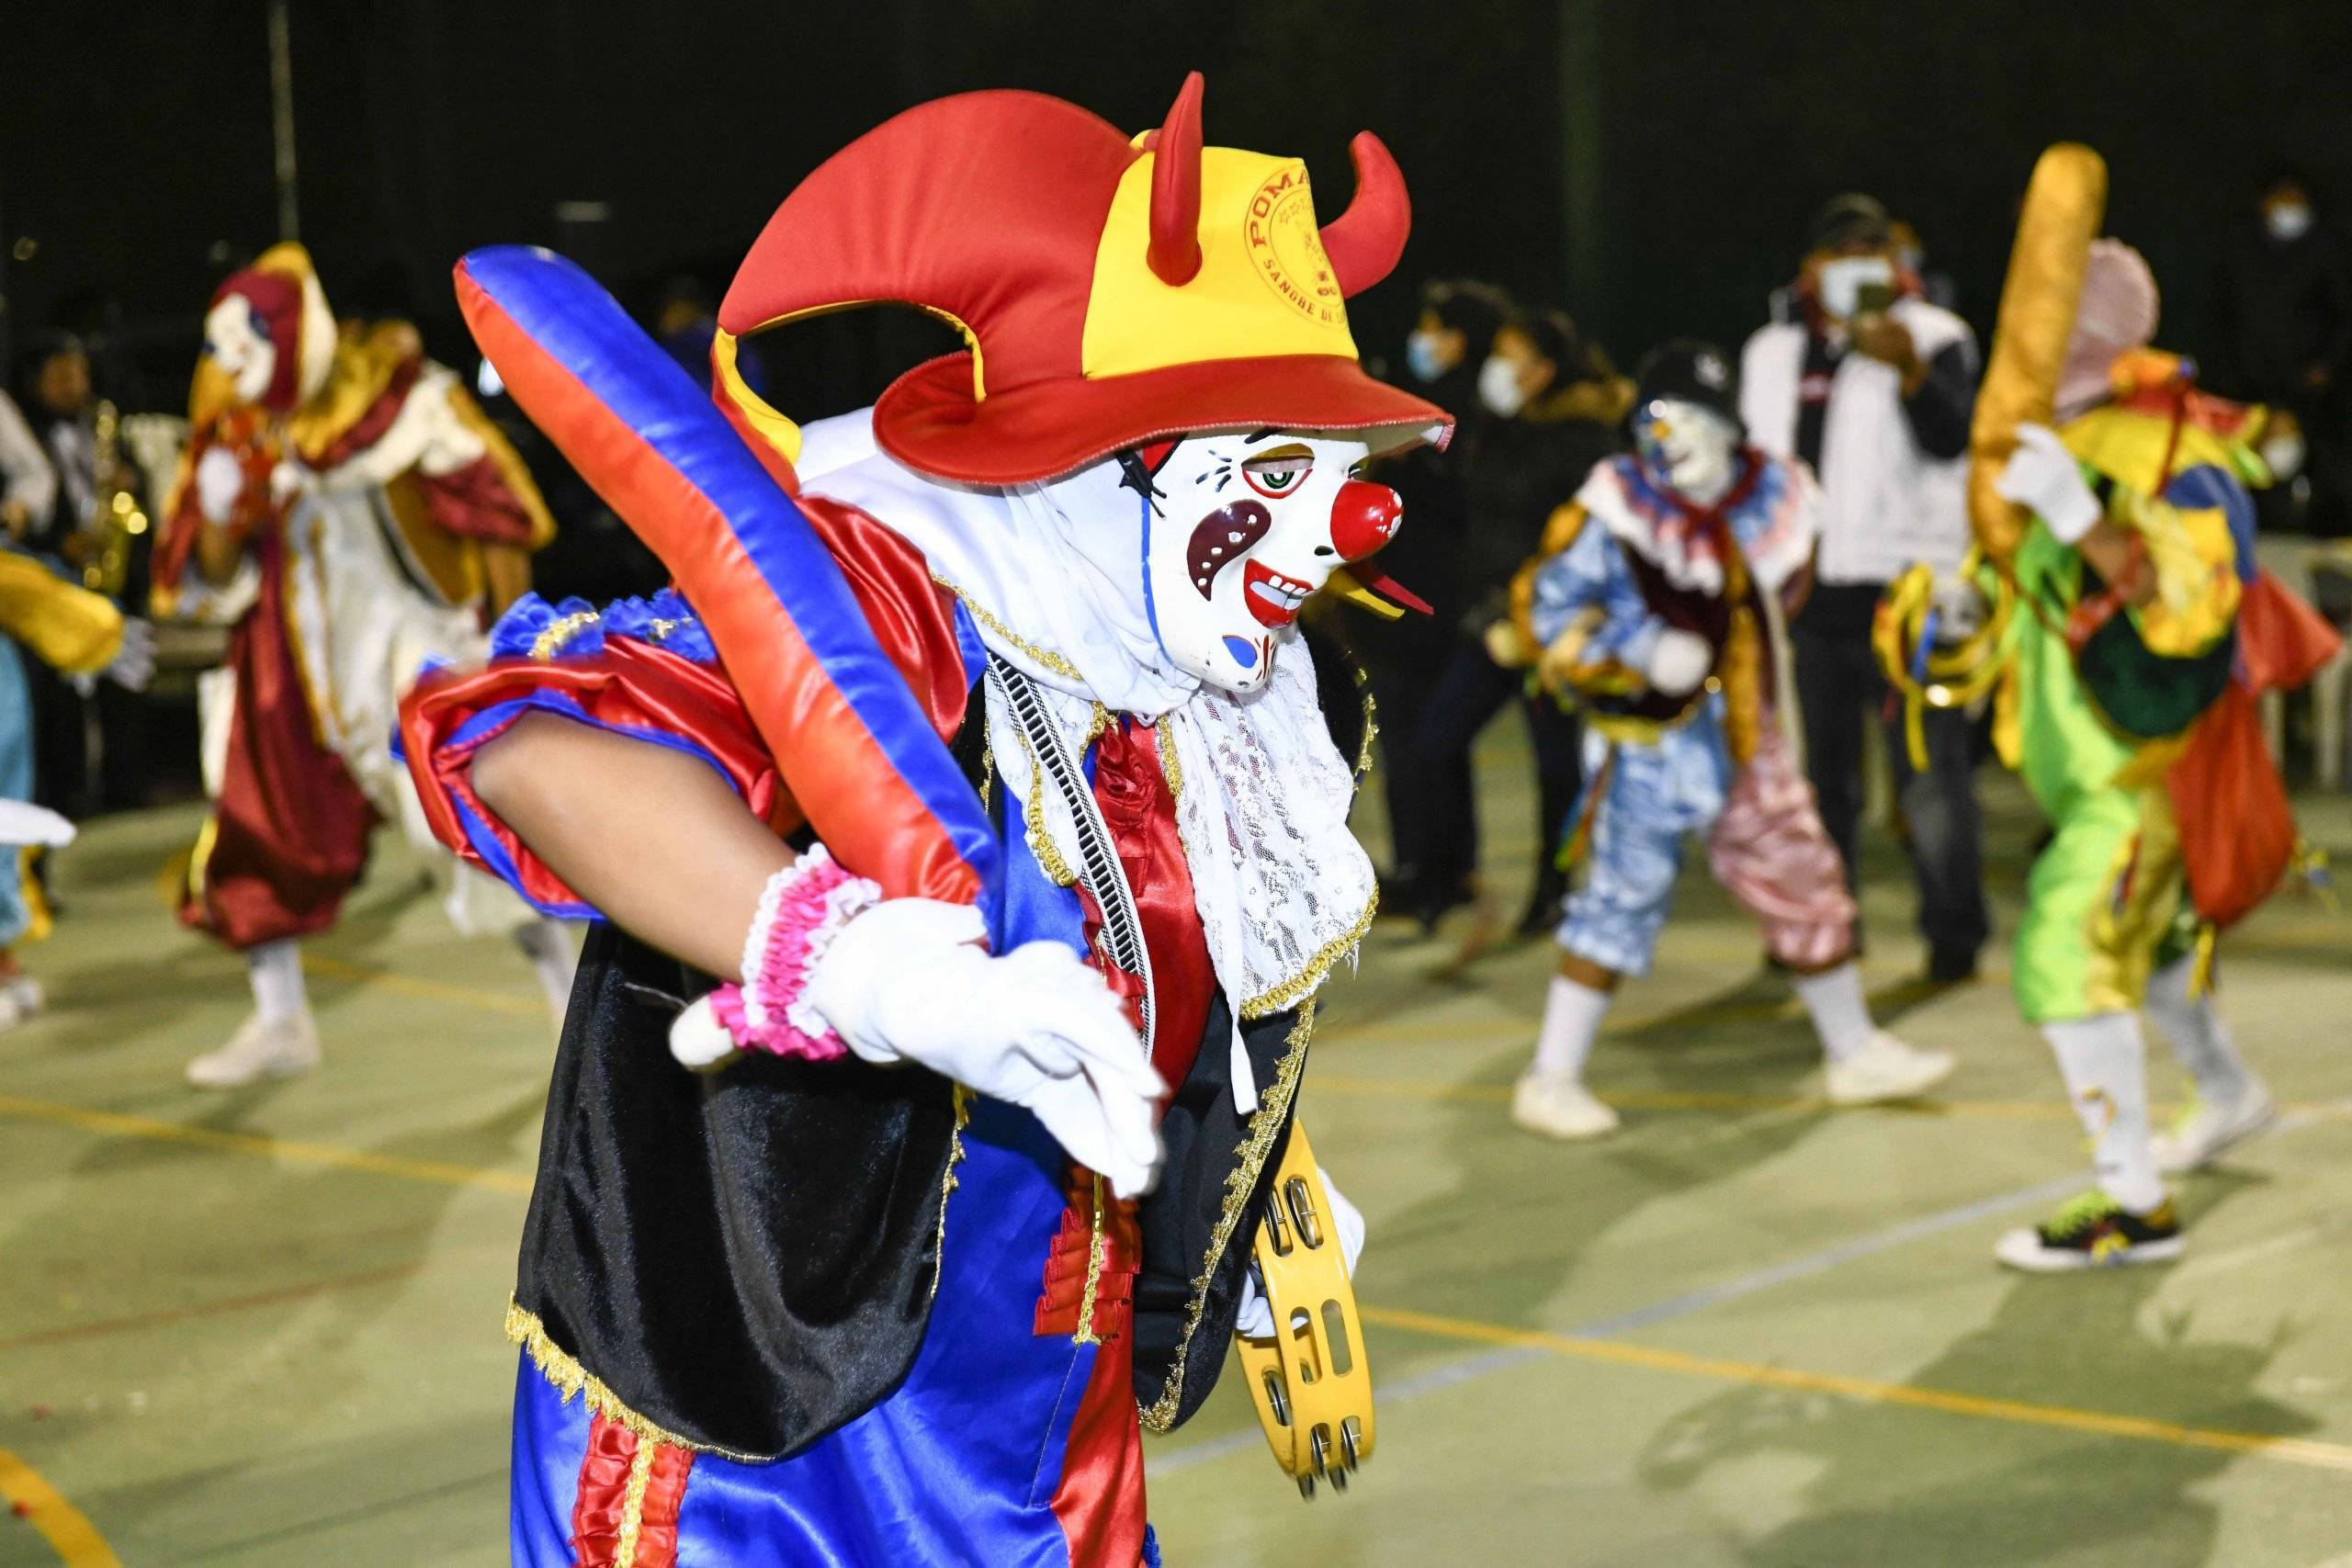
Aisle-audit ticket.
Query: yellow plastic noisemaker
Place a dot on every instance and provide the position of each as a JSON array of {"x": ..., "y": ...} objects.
[{"x": 1311, "y": 1381}]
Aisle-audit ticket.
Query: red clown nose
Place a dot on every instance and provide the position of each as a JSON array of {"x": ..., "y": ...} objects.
[{"x": 1364, "y": 516}]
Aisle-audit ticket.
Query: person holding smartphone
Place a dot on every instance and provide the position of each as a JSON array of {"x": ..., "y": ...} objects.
[{"x": 1874, "y": 387}]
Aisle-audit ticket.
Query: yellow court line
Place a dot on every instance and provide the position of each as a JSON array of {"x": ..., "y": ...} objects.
[
  {"x": 1689, "y": 1100},
  {"x": 2261, "y": 1445},
  {"x": 115, "y": 1123},
  {"x": 75, "y": 1541}
]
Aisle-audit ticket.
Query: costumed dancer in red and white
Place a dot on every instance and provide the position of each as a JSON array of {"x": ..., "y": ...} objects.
[
  {"x": 962, "y": 1199},
  {"x": 346, "y": 509}
]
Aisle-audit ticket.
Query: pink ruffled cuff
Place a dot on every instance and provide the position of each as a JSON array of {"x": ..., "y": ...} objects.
[{"x": 800, "y": 910}]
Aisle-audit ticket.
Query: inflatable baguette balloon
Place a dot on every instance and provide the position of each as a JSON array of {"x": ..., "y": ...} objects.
[{"x": 2064, "y": 205}]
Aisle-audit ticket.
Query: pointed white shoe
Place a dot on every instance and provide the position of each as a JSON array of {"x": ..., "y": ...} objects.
[
  {"x": 2208, "y": 1127},
  {"x": 262, "y": 1048},
  {"x": 1885, "y": 1069},
  {"x": 1558, "y": 1105}
]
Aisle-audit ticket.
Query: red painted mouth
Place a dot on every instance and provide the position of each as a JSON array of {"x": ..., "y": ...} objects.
[{"x": 1273, "y": 599}]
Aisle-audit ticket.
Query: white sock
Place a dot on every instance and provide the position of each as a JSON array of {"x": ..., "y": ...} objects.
[
  {"x": 2106, "y": 1074},
  {"x": 1840, "y": 1016},
  {"x": 2199, "y": 1039},
  {"x": 276, "y": 968},
  {"x": 546, "y": 942},
  {"x": 1572, "y": 1016}
]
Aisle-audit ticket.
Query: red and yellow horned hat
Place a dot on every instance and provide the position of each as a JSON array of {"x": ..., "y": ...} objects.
[{"x": 1111, "y": 291}]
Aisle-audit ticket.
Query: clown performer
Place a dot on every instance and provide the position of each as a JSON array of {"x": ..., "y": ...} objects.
[
  {"x": 1658, "y": 600},
  {"x": 346, "y": 510},
  {"x": 2144, "y": 633},
  {"x": 903, "y": 1275}
]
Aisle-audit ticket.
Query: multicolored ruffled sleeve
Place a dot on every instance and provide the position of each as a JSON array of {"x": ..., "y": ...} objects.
[{"x": 642, "y": 668}]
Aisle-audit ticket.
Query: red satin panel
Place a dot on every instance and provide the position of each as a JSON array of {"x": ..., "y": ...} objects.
[
  {"x": 1140, "y": 811},
  {"x": 600, "y": 1505},
  {"x": 913, "y": 618},
  {"x": 629, "y": 685},
  {"x": 1099, "y": 1497},
  {"x": 290, "y": 829}
]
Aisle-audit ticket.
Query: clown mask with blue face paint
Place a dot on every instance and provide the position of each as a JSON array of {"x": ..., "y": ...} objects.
[{"x": 1240, "y": 531}]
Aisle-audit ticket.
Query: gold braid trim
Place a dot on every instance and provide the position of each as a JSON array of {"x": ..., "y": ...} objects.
[
  {"x": 559, "y": 631},
  {"x": 561, "y": 1367},
  {"x": 1287, "y": 995},
  {"x": 1032, "y": 815},
  {"x": 1170, "y": 767},
  {"x": 1265, "y": 1124},
  {"x": 1094, "y": 1249},
  {"x": 1045, "y": 657},
  {"x": 963, "y": 1101},
  {"x": 1370, "y": 731},
  {"x": 640, "y": 1471}
]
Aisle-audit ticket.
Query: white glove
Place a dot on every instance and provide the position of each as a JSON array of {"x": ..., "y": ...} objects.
[
  {"x": 134, "y": 661},
  {"x": 1256, "y": 1318},
  {"x": 1678, "y": 662},
  {"x": 2043, "y": 475},
  {"x": 904, "y": 981},
  {"x": 219, "y": 481}
]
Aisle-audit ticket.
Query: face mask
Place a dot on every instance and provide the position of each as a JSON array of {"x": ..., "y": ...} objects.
[
  {"x": 1839, "y": 282},
  {"x": 1242, "y": 534},
  {"x": 2288, "y": 221},
  {"x": 1425, "y": 356},
  {"x": 1498, "y": 387},
  {"x": 1686, "y": 447},
  {"x": 239, "y": 343}
]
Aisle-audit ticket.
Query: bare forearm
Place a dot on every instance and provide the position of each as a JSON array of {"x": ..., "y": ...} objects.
[{"x": 650, "y": 836}]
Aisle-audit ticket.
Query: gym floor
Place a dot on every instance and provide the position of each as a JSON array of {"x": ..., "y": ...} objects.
[{"x": 262, "y": 1328}]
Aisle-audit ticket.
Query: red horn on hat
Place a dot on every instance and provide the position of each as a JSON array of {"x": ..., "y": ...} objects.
[
  {"x": 1175, "y": 253},
  {"x": 1365, "y": 240}
]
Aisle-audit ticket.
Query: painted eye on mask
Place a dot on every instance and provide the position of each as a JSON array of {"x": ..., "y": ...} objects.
[{"x": 1276, "y": 474}]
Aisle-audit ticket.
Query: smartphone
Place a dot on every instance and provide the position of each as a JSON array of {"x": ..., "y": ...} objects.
[{"x": 1873, "y": 299}]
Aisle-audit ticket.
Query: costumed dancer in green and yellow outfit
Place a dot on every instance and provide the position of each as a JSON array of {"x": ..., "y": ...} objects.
[{"x": 2129, "y": 581}]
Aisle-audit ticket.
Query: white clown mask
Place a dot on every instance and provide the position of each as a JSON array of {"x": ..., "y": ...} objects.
[
  {"x": 1687, "y": 447},
  {"x": 1241, "y": 530},
  {"x": 238, "y": 341}
]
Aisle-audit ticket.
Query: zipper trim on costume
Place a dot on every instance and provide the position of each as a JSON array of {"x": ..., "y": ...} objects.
[{"x": 1099, "y": 867}]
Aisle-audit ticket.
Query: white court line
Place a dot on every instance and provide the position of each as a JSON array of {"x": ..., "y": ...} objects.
[{"x": 1450, "y": 1373}]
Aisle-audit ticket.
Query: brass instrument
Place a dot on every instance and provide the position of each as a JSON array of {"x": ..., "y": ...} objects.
[
  {"x": 102, "y": 546},
  {"x": 1311, "y": 1381}
]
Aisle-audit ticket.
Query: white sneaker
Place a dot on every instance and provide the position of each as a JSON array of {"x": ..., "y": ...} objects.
[
  {"x": 2208, "y": 1127},
  {"x": 1885, "y": 1069},
  {"x": 262, "y": 1048},
  {"x": 1558, "y": 1105},
  {"x": 26, "y": 997}
]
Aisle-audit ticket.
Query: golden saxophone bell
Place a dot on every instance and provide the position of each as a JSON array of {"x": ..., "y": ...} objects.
[{"x": 1311, "y": 1383}]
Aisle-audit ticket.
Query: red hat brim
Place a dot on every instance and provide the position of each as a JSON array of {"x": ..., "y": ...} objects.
[{"x": 928, "y": 420}]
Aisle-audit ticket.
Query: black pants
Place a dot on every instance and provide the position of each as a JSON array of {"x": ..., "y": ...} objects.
[
  {"x": 1841, "y": 690},
  {"x": 1438, "y": 844}
]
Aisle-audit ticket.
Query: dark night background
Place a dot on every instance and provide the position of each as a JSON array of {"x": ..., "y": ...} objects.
[{"x": 138, "y": 153}]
